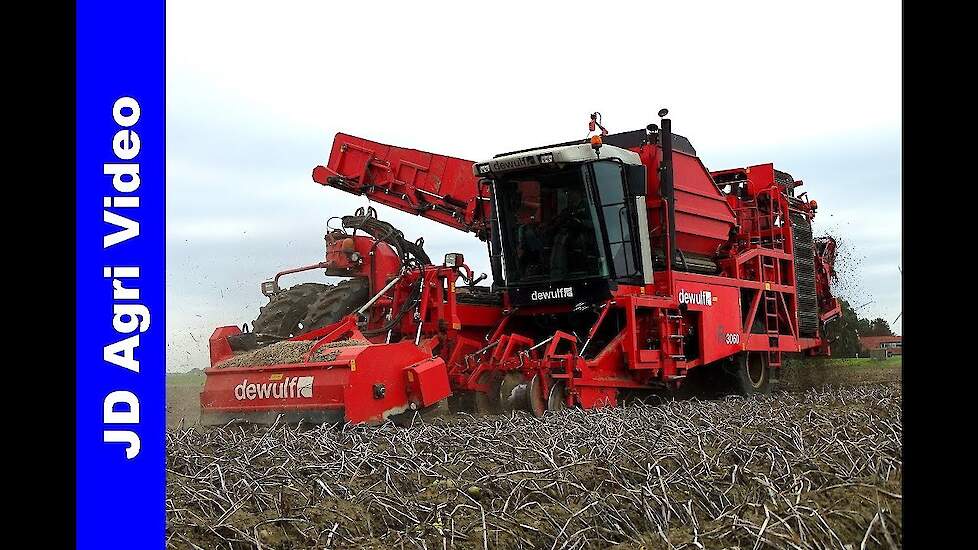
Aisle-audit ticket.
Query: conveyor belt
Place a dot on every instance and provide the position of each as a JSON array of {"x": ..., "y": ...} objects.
[{"x": 801, "y": 230}]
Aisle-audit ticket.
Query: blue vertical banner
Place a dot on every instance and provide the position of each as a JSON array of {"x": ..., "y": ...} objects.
[{"x": 120, "y": 232}]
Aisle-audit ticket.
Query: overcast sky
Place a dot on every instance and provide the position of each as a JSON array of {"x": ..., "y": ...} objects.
[{"x": 256, "y": 91}]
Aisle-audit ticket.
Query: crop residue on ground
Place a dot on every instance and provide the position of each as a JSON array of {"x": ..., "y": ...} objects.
[{"x": 818, "y": 468}]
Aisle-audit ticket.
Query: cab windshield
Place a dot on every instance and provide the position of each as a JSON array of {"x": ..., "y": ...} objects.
[{"x": 549, "y": 227}]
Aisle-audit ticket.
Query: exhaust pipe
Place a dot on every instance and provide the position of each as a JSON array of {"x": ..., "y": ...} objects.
[{"x": 666, "y": 188}]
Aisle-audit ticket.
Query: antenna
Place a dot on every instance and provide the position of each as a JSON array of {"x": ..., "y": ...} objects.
[
  {"x": 596, "y": 121},
  {"x": 901, "y": 311},
  {"x": 596, "y": 138}
]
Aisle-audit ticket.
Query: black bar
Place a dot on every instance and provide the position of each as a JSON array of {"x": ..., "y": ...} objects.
[{"x": 666, "y": 187}]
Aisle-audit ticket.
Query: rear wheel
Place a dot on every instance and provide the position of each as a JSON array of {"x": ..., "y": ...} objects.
[
  {"x": 335, "y": 303},
  {"x": 309, "y": 306},
  {"x": 752, "y": 375},
  {"x": 282, "y": 315},
  {"x": 745, "y": 374},
  {"x": 699, "y": 383}
]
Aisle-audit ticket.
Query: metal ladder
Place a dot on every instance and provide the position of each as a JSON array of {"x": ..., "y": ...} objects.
[
  {"x": 772, "y": 326},
  {"x": 675, "y": 336}
]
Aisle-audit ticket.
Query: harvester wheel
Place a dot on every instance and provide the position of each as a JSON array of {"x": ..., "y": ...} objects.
[
  {"x": 710, "y": 381},
  {"x": 285, "y": 310},
  {"x": 337, "y": 302},
  {"x": 694, "y": 385},
  {"x": 752, "y": 375},
  {"x": 308, "y": 306}
]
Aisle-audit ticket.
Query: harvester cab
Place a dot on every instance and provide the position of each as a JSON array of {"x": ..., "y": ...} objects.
[{"x": 566, "y": 226}]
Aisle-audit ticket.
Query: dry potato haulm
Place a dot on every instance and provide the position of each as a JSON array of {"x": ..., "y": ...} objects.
[{"x": 130, "y": 318}]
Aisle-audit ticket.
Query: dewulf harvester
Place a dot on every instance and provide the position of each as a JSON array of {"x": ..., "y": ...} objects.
[{"x": 621, "y": 268}]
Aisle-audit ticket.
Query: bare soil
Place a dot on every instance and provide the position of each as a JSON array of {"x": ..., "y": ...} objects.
[{"x": 818, "y": 465}]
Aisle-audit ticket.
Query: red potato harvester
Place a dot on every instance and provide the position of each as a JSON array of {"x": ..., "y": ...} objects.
[{"x": 621, "y": 268}]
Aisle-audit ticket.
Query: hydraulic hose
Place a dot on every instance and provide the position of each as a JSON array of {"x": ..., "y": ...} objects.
[
  {"x": 383, "y": 231},
  {"x": 408, "y": 304}
]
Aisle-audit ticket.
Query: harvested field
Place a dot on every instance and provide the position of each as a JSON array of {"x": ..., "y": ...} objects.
[
  {"x": 819, "y": 468},
  {"x": 800, "y": 375}
]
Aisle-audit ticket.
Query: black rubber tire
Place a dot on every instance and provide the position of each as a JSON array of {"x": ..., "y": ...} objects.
[
  {"x": 746, "y": 374},
  {"x": 308, "y": 306},
  {"x": 336, "y": 303},
  {"x": 284, "y": 311},
  {"x": 698, "y": 384},
  {"x": 752, "y": 375}
]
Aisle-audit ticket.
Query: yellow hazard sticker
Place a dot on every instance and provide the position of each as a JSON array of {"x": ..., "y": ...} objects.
[
  {"x": 276, "y": 376},
  {"x": 767, "y": 286},
  {"x": 353, "y": 365}
]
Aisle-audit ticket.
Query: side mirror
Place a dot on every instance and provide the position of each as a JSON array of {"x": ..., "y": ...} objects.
[{"x": 635, "y": 179}]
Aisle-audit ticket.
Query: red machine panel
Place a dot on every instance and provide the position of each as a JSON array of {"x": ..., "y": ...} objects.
[
  {"x": 720, "y": 326},
  {"x": 364, "y": 383},
  {"x": 703, "y": 217},
  {"x": 274, "y": 388},
  {"x": 438, "y": 187},
  {"x": 428, "y": 380}
]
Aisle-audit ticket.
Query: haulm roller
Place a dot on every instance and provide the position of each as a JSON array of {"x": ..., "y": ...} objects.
[{"x": 621, "y": 268}]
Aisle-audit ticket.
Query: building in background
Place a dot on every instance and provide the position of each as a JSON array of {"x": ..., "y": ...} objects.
[{"x": 884, "y": 346}]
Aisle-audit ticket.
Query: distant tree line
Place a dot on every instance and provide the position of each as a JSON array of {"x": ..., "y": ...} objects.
[{"x": 843, "y": 333}]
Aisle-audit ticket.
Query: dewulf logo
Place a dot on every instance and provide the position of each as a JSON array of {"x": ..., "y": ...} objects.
[
  {"x": 538, "y": 295},
  {"x": 289, "y": 388},
  {"x": 701, "y": 298}
]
